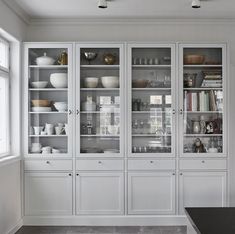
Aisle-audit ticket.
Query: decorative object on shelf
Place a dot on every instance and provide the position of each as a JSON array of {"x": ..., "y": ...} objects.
[
  {"x": 36, "y": 147},
  {"x": 37, "y": 130},
  {"x": 59, "y": 130},
  {"x": 139, "y": 83},
  {"x": 39, "y": 84},
  {"x": 41, "y": 103},
  {"x": 110, "y": 81},
  {"x": 89, "y": 105},
  {"x": 91, "y": 82},
  {"x": 136, "y": 104},
  {"x": 55, "y": 151},
  {"x": 198, "y": 146},
  {"x": 167, "y": 59},
  {"x": 196, "y": 126},
  {"x": 61, "y": 106},
  {"x": 59, "y": 80},
  {"x": 194, "y": 59},
  {"x": 202, "y": 125},
  {"x": 189, "y": 80},
  {"x": 46, "y": 150},
  {"x": 89, "y": 56},
  {"x": 45, "y": 60},
  {"x": 63, "y": 58},
  {"x": 49, "y": 128},
  {"x": 212, "y": 146},
  {"x": 212, "y": 79},
  {"x": 109, "y": 59},
  {"x": 41, "y": 109}
]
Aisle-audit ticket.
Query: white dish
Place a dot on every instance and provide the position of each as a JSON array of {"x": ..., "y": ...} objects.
[
  {"x": 111, "y": 151},
  {"x": 45, "y": 60},
  {"x": 41, "y": 109},
  {"x": 61, "y": 106},
  {"x": 87, "y": 106},
  {"x": 110, "y": 81},
  {"x": 59, "y": 80},
  {"x": 91, "y": 82},
  {"x": 39, "y": 84}
]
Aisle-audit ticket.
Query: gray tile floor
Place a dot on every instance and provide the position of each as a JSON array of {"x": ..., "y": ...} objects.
[{"x": 103, "y": 230}]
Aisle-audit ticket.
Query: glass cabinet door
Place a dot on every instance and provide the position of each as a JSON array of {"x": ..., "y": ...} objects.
[
  {"x": 100, "y": 104},
  {"x": 48, "y": 101},
  {"x": 151, "y": 100},
  {"x": 203, "y": 82}
]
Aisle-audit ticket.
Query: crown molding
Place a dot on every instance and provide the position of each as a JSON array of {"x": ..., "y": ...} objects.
[
  {"x": 129, "y": 21},
  {"x": 17, "y": 10}
]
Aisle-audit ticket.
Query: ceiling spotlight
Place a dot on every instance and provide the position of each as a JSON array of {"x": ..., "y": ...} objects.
[
  {"x": 102, "y": 4},
  {"x": 196, "y": 3}
]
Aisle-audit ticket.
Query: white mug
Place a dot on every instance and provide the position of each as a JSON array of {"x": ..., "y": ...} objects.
[
  {"x": 36, "y": 147},
  {"x": 59, "y": 130},
  {"x": 49, "y": 129},
  {"x": 37, "y": 130}
]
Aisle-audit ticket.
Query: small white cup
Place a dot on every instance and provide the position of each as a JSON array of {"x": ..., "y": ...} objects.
[
  {"x": 59, "y": 130},
  {"x": 37, "y": 130}
]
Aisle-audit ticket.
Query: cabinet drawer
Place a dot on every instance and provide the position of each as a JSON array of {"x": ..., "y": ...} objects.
[
  {"x": 151, "y": 164},
  {"x": 48, "y": 165},
  {"x": 203, "y": 164},
  {"x": 97, "y": 165}
]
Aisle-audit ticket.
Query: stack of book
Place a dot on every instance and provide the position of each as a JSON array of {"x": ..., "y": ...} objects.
[
  {"x": 201, "y": 101},
  {"x": 212, "y": 79}
]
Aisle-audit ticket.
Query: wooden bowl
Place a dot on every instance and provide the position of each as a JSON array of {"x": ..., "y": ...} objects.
[
  {"x": 40, "y": 103},
  {"x": 193, "y": 59},
  {"x": 139, "y": 83}
]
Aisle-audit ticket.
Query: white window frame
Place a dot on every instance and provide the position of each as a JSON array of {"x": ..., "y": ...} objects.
[{"x": 5, "y": 74}]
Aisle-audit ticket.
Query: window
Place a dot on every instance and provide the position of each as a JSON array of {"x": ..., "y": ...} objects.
[{"x": 4, "y": 98}]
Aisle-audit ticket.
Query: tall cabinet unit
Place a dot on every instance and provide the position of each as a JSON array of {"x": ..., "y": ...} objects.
[
  {"x": 151, "y": 129},
  {"x": 100, "y": 129},
  {"x": 48, "y": 128},
  {"x": 202, "y": 125}
]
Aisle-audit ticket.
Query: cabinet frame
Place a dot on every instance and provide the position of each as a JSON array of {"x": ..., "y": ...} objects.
[
  {"x": 121, "y": 47},
  {"x": 172, "y": 47},
  {"x": 26, "y": 101},
  {"x": 225, "y": 78}
]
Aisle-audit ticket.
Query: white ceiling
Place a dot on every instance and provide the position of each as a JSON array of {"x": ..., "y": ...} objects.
[{"x": 119, "y": 9}]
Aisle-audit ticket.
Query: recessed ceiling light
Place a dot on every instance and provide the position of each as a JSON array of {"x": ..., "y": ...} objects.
[
  {"x": 196, "y": 4},
  {"x": 102, "y": 4}
]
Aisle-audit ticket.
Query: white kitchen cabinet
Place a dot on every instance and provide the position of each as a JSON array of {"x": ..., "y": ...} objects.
[
  {"x": 48, "y": 194},
  {"x": 99, "y": 193},
  {"x": 202, "y": 189},
  {"x": 151, "y": 193}
]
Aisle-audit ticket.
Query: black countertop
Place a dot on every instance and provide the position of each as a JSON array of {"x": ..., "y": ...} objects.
[{"x": 212, "y": 220}]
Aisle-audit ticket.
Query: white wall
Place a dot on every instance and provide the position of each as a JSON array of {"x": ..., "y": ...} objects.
[
  {"x": 10, "y": 198},
  {"x": 182, "y": 31}
]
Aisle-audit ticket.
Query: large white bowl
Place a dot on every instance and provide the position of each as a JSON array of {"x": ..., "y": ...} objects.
[
  {"x": 91, "y": 82},
  {"x": 39, "y": 84},
  {"x": 61, "y": 106},
  {"x": 110, "y": 81},
  {"x": 59, "y": 80}
]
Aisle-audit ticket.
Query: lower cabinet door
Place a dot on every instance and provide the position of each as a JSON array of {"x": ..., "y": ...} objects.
[
  {"x": 48, "y": 194},
  {"x": 99, "y": 193},
  {"x": 202, "y": 189},
  {"x": 151, "y": 193}
]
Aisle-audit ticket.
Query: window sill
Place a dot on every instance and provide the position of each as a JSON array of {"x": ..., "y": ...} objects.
[{"x": 9, "y": 160}]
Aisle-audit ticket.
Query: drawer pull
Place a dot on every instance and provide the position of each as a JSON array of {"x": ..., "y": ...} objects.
[
  {"x": 70, "y": 174},
  {"x": 47, "y": 162},
  {"x": 173, "y": 173},
  {"x": 181, "y": 174},
  {"x": 77, "y": 174},
  {"x": 151, "y": 161},
  {"x": 99, "y": 162},
  {"x": 203, "y": 161}
]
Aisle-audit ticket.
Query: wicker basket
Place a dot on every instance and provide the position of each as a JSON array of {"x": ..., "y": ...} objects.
[{"x": 194, "y": 59}]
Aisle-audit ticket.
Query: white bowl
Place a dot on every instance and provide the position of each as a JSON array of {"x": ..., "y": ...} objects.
[
  {"x": 41, "y": 109},
  {"x": 91, "y": 82},
  {"x": 59, "y": 80},
  {"x": 39, "y": 84},
  {"x": 61, "y": 106},
  {"x": 110, "y": 81}
]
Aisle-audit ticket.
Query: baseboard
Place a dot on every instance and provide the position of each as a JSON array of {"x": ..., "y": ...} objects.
[
  {"x": 16, "y": 227},
  {"x": 130, "y": 220}
]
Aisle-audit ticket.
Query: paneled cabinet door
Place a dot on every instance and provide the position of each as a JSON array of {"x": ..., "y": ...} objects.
[
  {"x": 99, "y": 193},
  {"x": 202, "y": 189},
  {"x": 48, "y": 194},
  {"x": 151, "y": 193}
]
